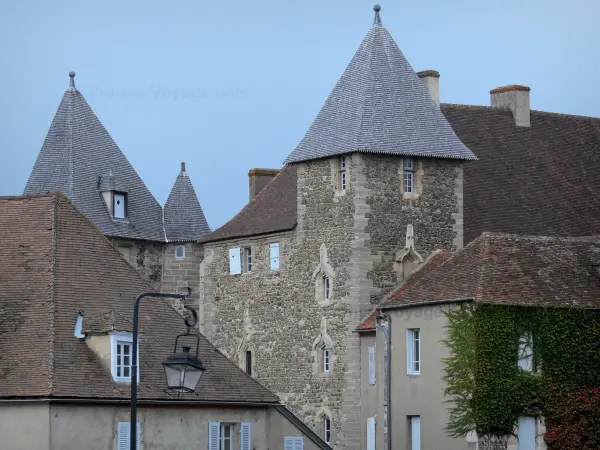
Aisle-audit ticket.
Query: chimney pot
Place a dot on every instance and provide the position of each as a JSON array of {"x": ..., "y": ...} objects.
[
  {"x": 183, "y": 167},
  {"x": 431, "y": 81},
  {"x": 516, "y": 98},
  {"x": 258, "y": 179}
]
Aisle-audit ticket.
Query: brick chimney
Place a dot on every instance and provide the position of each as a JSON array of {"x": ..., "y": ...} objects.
[
  {"x": 258, "y": 179},
  {"x": 431, "y": 80},
  {"x": 515, "y": 97}
]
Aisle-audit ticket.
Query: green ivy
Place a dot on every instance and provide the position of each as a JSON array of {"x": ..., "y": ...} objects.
[{"x": 488, "y": 392}]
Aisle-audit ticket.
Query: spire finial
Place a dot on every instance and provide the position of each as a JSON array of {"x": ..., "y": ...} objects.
[
  {"x": 72, "y": 80},
  {"x": 377, "y": 20},
  {"x": 183, "y": 166}
]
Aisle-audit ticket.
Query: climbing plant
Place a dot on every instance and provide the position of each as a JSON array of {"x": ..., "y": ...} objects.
[{"x": 488, "y": 391}]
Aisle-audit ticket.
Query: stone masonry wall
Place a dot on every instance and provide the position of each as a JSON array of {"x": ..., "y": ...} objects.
[
  {"x": 144, "y": 256},
  {"x": 184, "y": 272}
]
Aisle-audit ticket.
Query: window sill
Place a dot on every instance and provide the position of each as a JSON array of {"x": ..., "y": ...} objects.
[
  {"x": 119, "y": 220},
  {"x": 411, "y": 196},
  {"x": 325, "y": 374},
  {"x": 413, "y": 375}
]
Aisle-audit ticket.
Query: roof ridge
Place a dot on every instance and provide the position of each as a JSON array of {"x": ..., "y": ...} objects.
[{"x": 537, "y": 111}]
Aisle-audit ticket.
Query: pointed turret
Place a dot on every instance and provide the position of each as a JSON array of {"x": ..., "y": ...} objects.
[
  {"x": 184, "y": 218},
  {"x": 379, "y": 105},
  {"x": 81, "y": 160}
]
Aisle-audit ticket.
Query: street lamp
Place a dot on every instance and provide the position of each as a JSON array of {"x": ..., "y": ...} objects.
[{"x": 183, "y": 370}]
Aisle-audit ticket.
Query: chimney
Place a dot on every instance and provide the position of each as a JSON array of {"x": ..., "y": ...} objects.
[
  {"x": 259, "y": 178},
  {"x": 431, "y": 80},
  {"x": 516, "y": 98}
]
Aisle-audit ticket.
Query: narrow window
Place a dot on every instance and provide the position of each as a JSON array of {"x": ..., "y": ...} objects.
[
  {"x": 342, "y": 174},
  {"x": 413, "y": 351},
  {"x": 274, "y": 256},
  {"x": 249, "y": 362},
  {"x": 225, "y": 436},
  {"x": 248, "y": 259},
  {"x": 179, "y": 251},
  {"x": 371, "y": 433},
  {"x": 415, "y": 432},
  {"x": 123, "y": 359},
  {"x": 409, "y": 175},
  {"x": 526, "y": 352},
  {"x": 325, "y": 287},
  {"x": 119, "y": 205},
  {"x": 526, "y": 433},
  {"x": 326, "y": 360},
  {"x": 327, "y": 430},
  {"x": 123, "y": 439},
  {"x": 235, "y": 265},
  {"x": 371, "y": 365}
]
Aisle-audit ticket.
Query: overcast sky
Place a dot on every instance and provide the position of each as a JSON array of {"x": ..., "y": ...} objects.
[{"x": 228, "y": 86}]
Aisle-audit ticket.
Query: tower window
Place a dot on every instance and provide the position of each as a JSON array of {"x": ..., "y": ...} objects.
[
  {"x": 342, "y": 175},
  {"x": 325, "y": 287},
  {"x": 247, "y": 266},
  {"x": 409, "y": 175},
  {"x": 180, "y": 251},
  {"x": 119, "y": 205},
  {"x": 249, "y": 362},
  {"x": 327, "y": 430},
  {"x": 326, "y": 360}
]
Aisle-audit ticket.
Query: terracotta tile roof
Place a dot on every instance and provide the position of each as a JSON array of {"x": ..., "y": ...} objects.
[
  {"x": 434, "y": 261},
  {"x": 54, "y": 265},
  {"x": 507, "y": 268},
  {"x": 272, "y": 210},
  {"x": 543, "y": 180}
]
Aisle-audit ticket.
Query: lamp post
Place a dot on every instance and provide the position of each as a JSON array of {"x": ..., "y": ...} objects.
[{"x": 183, "y": 370}]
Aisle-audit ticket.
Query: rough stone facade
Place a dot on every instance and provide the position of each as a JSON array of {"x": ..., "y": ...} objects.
[
  {"x": 280, "y": 318},
  {"x": 182, "y": 272},
  {"x": 144, "y": 256}
]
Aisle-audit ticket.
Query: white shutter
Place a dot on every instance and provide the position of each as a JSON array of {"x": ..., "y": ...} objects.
[
  {"x": 213, "y": 435},
  {"x": 409, "y": 352},
  {"x": 371, "y": 433},
  {"x": 526, "y": 433},
  {"x": 123, "y": 436},
  {"x": 235, "y": 263},
  {"x": 245, "y": 441},
  {"x": 299, "y": 443},
  {"x": 415, "y": 432},
  {"x": 371, "y": 365},
  {"x": 274, "y": 255},
  {"x": 119, "y": 205}
]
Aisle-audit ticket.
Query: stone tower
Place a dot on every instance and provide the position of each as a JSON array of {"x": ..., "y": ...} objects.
[{"x": 373, "y": 188}]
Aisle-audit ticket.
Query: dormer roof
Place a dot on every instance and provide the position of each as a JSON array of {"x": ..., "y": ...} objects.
[{"x": 379, "y": 105}]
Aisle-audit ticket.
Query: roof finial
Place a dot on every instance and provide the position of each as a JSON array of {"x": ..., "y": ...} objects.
[
  {"x": 183, "y": 166},
  {"x": 377, "y": 21},
  {"x": 72, "y": 81}
]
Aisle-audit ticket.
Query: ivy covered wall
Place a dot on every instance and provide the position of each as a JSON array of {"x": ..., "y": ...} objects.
[{"x": 488, "y": 391}]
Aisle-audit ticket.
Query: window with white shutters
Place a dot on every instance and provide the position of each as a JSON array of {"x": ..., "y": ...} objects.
[
  {"x": 123, "y": 439},
  {"x": 214, "y": 430},
  {"x": 526, "y": 433},
  {"x": 371, "y": 433},
  {"x": 274, "y": 256},
  {"x": 371, "y": 365},
  {"x": 526, "y": 352},
  {"x": 235, "y": 263},
  {"x": 293, "y": 443},
  {"x": 245, "y": 437},
  {"x": 415, "y": 433}
]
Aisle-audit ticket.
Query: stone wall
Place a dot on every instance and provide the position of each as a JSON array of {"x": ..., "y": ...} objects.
[
  {"x": 182, "y": 272},
  {"x": 144, "y": 256}
]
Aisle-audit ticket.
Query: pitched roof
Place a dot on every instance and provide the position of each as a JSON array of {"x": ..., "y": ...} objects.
[
  {"x": 47, "y": 278},
  {"x": 379, "y": 105},
  {"x": 183, "y": 215},
  {"x": 542, "y": 180},
  {"x": 513, "y": 269},
  {"x": 79, "y": 157},
  {"x": 273, "y": 209}
]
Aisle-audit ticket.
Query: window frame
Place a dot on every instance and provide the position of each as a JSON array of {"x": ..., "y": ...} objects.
[
  {"x": 342, "y": 173},
  {"x": 326, "y": 423},
  {"x": 273, "y": 245},
  {"x": 117, "y": 338},
  {"x": 222, "y": 438},
  {"x": 526, "y": 361},
  {"x": 248, "y": 362},
  {"x": 125, "y": 206},
  {"x": 326, "y": 360},
  {"x": 247, "y": 259},
  {"x": 413, "y": 362},
  {"x": 408, "y": 172},
  {"x": 326, "y": 281},
  {"x": 175, "y": 248}
]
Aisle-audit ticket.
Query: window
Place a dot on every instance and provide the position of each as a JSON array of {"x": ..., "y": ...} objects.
[
  {"x": 123, "y": 433},
  {"x": 413, "y": 351},
  {"x": 274, "y": 256},
  {"x": 119, "y": 205},
  {"x": 221, "y": 436},
  {"x": 371, "y": 433},
  {"x": 325, "y": 287},
  {"x": 249, "y": 362},
  {"x": 247, "y": 259},
  {"x": 78, "y": 326},
  {"x": 326, "y": 360},
  {"x": 235, "y": 265},
  {"x": 371, "y": 365},
  {"x": 526, "y": 433},
  {"x": 293, "y": 443},
  {"x": 327, "y": 430},
  {"x": 180, "y": 251},
  {"x": 526, "y": 352},
  {"x": 122, "y": 356},
  {"x": 415, "y": 432},
  {"x": 342, "y": 174},
  {"x": 409, "y": 175}
]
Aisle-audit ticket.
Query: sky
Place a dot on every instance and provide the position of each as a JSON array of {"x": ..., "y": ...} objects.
[{"x": 234, "y": 85}]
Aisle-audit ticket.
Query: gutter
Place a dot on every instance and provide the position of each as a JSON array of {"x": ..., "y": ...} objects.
[
  {"x": 431, "y": 302},
  {"x": 126, "y": 401},
  {"x": 388, "y": 376}
]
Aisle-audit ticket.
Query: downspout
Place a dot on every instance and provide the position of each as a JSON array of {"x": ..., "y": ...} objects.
[{"x": 388, "y": 361}]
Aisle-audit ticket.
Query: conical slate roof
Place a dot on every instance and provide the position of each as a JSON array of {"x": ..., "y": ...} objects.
[
  {"x": 80, "y": 159},
  {"x": 379, "y": 105},
  {"x": 184, "y": 218}
]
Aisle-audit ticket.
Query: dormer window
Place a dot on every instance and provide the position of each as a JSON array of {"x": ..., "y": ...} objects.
[
  {"x": 119, "y": 205},
  {"x": 121, "y": 356}
]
